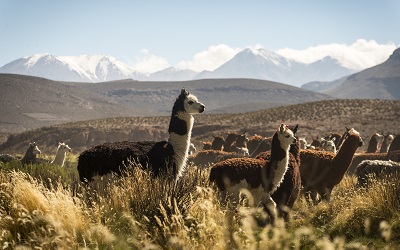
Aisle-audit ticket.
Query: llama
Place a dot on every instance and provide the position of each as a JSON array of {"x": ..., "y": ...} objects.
[
  {"x": 218, "y": 142},
  {"x": 378, "y": 168},
  {"x": 387, "y": 140},
  {"x": 263, "y": 146},
  {"x": 358, "y": 158},
  {"x": 374, "y": 143},
  {"x": 253, "y": 142},
  {"x": 289, "y": 190},
  {"x": 335, "y": 137},
  {"x": 329, "y": 145},
  {"x": 395, "y": 145},
  {"x": 206, "y": 157},
  {"x": 229, "y": 140},
  {"x": 61, "y": 153},
  {"x": 260, "y": 177},
  {"x": 30, "y": 155},
  {"x": 321, "y": 171},
  {"x": 7, "y": 158},
  {"x": 164, "y": 157},
  {"x": 206, "y": 145},
  {"x": 303, "y": 142}
]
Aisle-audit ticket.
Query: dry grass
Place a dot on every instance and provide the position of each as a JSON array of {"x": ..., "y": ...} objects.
[{"x": 140, "y": 212}]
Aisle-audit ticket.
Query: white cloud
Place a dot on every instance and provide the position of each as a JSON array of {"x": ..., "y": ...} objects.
[
  {"x": 359, "y": 55},
  {"x": 210, "y": 59},
  {"x": 148, "y": 63}
]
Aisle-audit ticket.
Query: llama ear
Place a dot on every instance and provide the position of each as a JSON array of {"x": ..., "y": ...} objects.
[
  {"x": 295, "y": 129},
  {"x": 184, "y": 92},
  {"x": 282, "y": 128}
]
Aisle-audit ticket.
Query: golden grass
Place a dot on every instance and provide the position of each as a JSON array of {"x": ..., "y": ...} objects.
[{"x": 137, "y": 211}]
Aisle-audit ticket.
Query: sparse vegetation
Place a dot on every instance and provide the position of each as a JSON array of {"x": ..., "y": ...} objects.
[
  {"x": 44, "y": 206},
  {"x": 138, "y": 211}
]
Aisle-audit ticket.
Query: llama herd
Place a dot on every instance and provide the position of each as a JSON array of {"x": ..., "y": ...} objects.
[
  {"x": 274, "y": 170},
  {"x": 31, "y": 155}
]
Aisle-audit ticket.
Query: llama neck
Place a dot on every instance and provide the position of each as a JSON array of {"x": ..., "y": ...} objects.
[
  {"x": 180, "y": 130},
  {"x": 281, "y": 156},
  {"x": 28, "y": 157},
  {"x": 342, "y": 159},
  {"x": 59, "y": 158}
]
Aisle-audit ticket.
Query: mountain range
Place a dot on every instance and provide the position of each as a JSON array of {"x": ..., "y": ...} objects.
[
  {"x": 379, "y": 82},
  {"x": 249, "y": 63}
]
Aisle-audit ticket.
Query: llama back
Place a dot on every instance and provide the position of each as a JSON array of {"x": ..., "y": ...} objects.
[{"x": 111, "y": 157}]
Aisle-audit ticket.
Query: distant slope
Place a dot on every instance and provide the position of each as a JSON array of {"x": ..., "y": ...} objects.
[
  {"x": 322, "y": 87},
  {"x": 32, "y": 102},
  {"x": 267, "y": 65},
  {"x": 379, "y": 82},
  {"x": 314, "y": 118}
]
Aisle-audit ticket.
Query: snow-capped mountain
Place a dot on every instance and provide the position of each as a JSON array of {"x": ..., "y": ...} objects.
[
  {"x": 84, "y": 68},
  {"x": 171, "y": 74},
  {"x": 249, "y": 63},
  {"x": 267, "y": 65}
]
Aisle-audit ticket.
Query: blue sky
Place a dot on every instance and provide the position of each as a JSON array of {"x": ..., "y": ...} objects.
[{"x": 198, "y": 34}]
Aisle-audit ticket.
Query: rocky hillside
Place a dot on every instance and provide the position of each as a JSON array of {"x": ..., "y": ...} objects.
[{"x": 314, "y": 119}]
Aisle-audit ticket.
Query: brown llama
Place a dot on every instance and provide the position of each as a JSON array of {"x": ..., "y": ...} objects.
[
  {"x": 358, "y": 158},
  {"x": 206, "y": 145},
  {"x": 260, "y": 177},
  {"x": 321, "y": 171},
  {"x": 229, "y": 140},
  {"x": 289, "y": 190},
  {"x": 218, "y": 142},
  {"x": 30, "y": 154}
]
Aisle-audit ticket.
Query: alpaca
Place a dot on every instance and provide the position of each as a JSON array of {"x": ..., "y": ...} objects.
[
  {"x": 229, "y": 140},
  {"x": 61, "y": 153},
  {"x": 321, "y": 171},
  {"x": 263, "y": 146},
  {"x": 206, "y": 145},
  {"x": 387, "y": 140},
  {"x": 303, "y": 142},
  {"x": 30, "y": 155},
  {"x": 374, "y": 143},
  {"x": 377, "y": 168},
  {"x": 164, "y": 157},
  {"x": 358, "y": 158},
  {"x": 218, "y": 142},
  {"x": 243, "y": 151},
  {"x": 7, "y": 158},
  {"x": 260, "y": 177},
  {"x": 335, "y": 137},
  {"x": 329, "y": 145},
  {"x": 253, "y": 142},
  {"x": 395, "y": 145},
  {"x": 289, "y": 190},
  {"x": 206, "y": 157}
]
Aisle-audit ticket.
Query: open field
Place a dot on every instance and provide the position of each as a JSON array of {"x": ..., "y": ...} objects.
[{"x": 43, "y": 206}]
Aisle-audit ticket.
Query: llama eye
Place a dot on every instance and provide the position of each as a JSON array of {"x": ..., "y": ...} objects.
[
  {"x": 190, "y": 102},
  {"x": 287, "y": 136}
]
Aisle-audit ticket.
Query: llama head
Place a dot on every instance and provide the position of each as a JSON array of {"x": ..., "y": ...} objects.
[
  {"x": 33, "y": 148},
  {"x": 355, "y": 137},
  {"x": 62, "y": 147},
  {"x": 286, "y": 136},
  {"x": 188, "y": 103}
]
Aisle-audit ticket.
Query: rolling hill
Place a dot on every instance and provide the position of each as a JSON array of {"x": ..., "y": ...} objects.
[
  {"x": 314, "y": 118},
  {"x": 31, "y": 102}
]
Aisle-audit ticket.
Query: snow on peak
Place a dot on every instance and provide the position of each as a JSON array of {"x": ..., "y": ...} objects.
[{"x": 32, "y": 60}]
